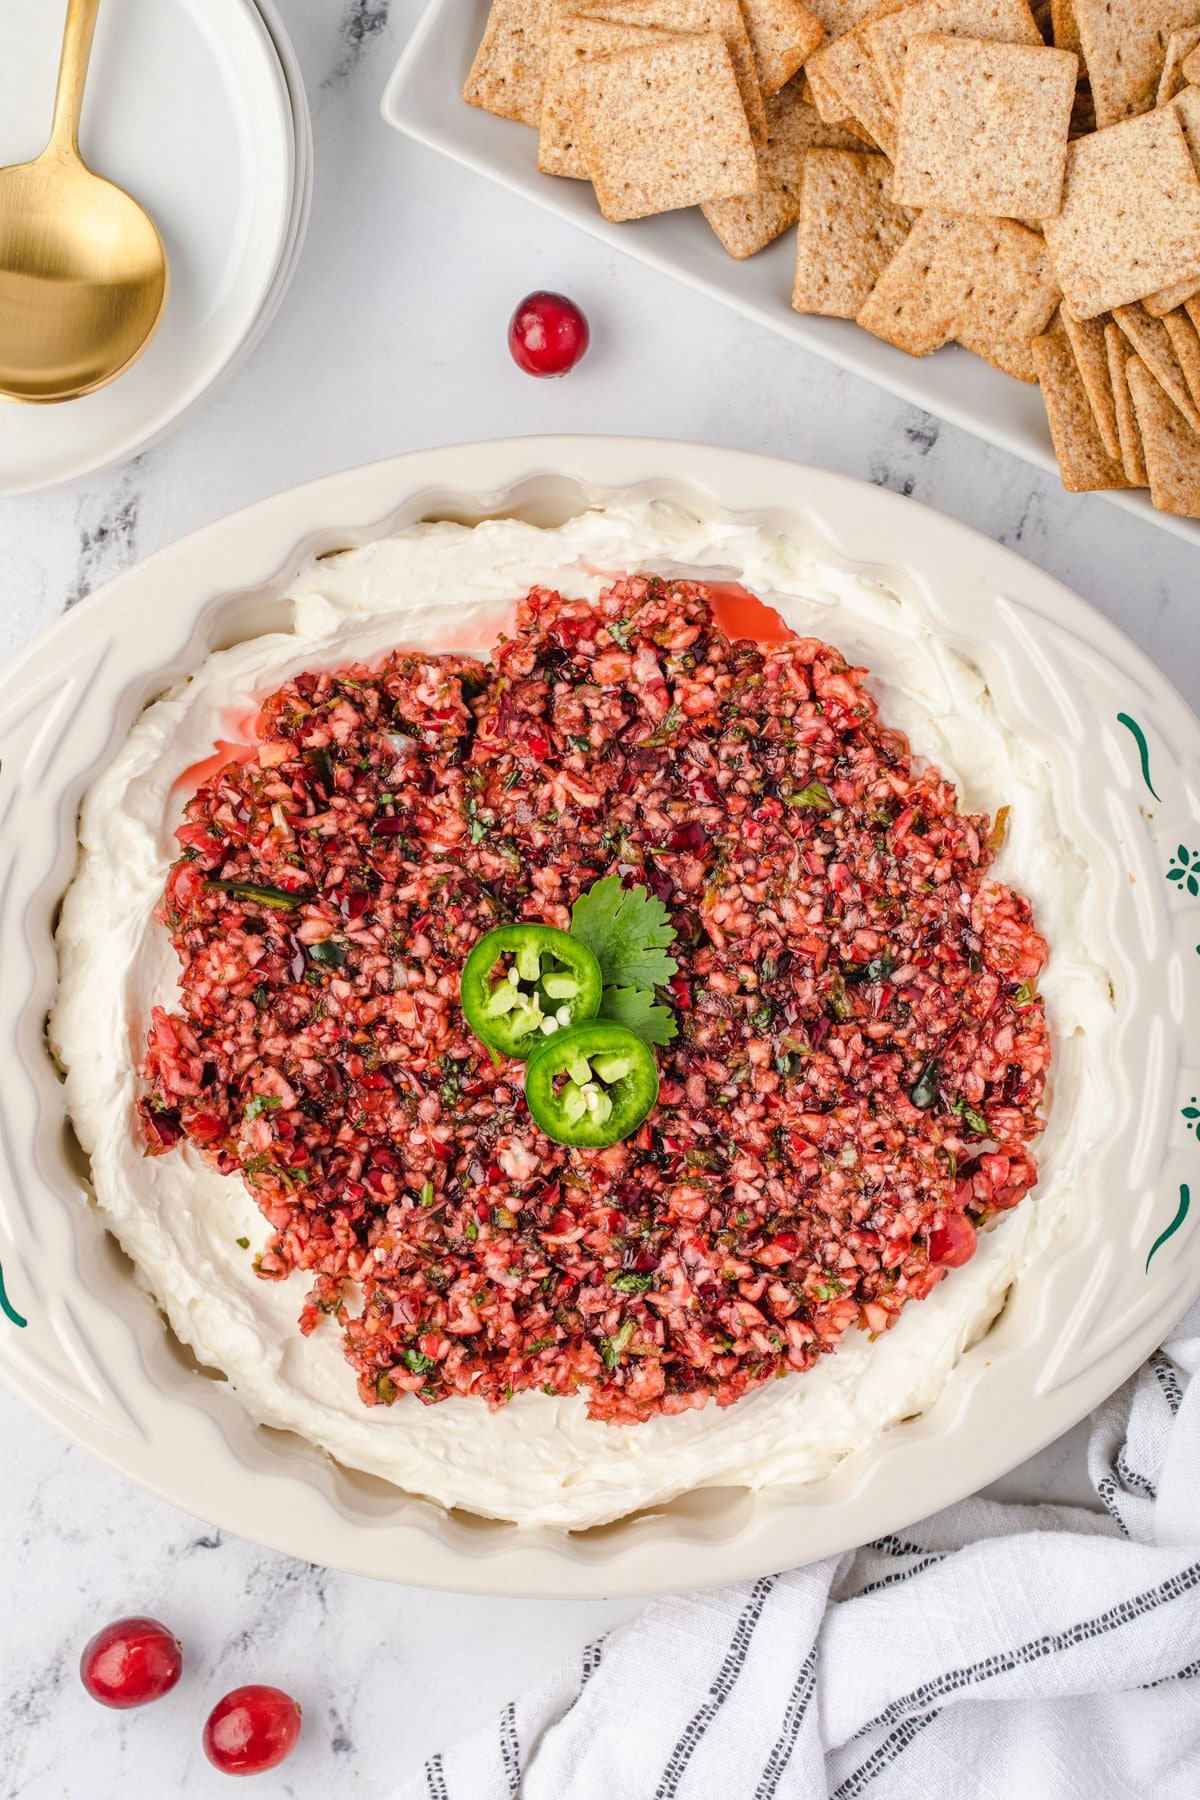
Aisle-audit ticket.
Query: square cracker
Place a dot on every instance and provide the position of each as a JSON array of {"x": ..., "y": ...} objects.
[
  {"x": 1191, "y": 67},
  {"x": 1129, "y": 436},
  {"x": 723, "y": 16},
  {"x": 1083, "y": 462},
  {"x": 1186, "y": 107},
  {"x": 1086, "y": 338},
  {"x": 510, "y": 64},
  {"x": 846, "y": 67},
  {"x": 573, "y": 39},
  {"x": 983, "y": 127},
  {"x": 1153, "y": 343},
  {"x": 849, "y": 230},
  {"x": 840, "y": 16},
  {"x": 1000, "y": 21},
  {"x": 1186, "y": 345},
  {"x": 1172, "y": 81},
  {"x": 986, "y": 283},
  {"x": 783, "y": 35},
  {"x": 1169, "y": 445},
  {"x": 664, "y": 127},
  {"x": 750, "y": 222},
  {"x": 1064, "y": 26},
  {"x": 1130, "y": 218},
  {"x": 1124, "y": 45}
]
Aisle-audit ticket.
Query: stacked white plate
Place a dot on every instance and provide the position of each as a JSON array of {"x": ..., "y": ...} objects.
[{"x": 197, "y": 107}]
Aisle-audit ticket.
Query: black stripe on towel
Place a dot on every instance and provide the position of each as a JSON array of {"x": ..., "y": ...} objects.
[
  {"x": 510, "y": 1749},
  {"x": 1139, "y": 1483},
  {"x": 435, "y": 1779},
  {"x": 723, "y": 1685},
  {"x": 884, "y": 1755},
  {"x": 1168, "y": 1381},
  {"x": 1126, "y": 1612},
  {"x": 591, "y": 1662},
  {"x": 898, "y": 1575},
  {"x": 793, "y": 1718},
  {"x": 1106, "y": 1487}
]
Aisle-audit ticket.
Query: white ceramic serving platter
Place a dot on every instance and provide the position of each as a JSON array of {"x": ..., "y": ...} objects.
[
  {"x": 188, "y": 107},
  {"x": 424, "y": 100},
  {"x": 81, "y": 1342}
]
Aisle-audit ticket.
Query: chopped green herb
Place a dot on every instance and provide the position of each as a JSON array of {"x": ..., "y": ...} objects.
[
  {"x": 814, "y": 797},
  {"x": 925, "y": 1088},
  {"x": 618, "y": 630},
  {"x": 971, "y": 1116},
  {"x": 243, "y": 1243},
  {"x": 612, "y": 1349},
  {"x": 839, "y": 1000},
  {"x": 261, "y": 1103},
  {"x": 878, "y": 969},
  {"x": 332, "y": 954},
  {"x": 626, "y": 930},
  {"x": 418, "y": 1363},
  {"x": 635, "y": 1008},
  {"x": 630, "y": 1284}
]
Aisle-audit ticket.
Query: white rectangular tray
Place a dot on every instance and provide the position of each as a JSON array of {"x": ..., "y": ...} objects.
[{"x": 423, "y": 100}]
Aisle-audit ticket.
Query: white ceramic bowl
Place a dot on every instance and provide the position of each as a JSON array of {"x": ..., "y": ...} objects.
[
  {"x": 93, "y": 1355},
  {"x": 197, "y": 107}
]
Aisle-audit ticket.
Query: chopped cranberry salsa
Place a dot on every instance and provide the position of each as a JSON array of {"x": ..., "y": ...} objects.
[{"x": 861, "y": 1055}]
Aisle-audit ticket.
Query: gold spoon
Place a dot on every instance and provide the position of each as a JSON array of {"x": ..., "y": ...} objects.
[{"x": 83, "y": 272}]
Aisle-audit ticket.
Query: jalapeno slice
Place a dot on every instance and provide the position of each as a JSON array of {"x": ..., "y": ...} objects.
[
  {"x": 591, "y": 1086},
  {"x": 522, "y": 984}
]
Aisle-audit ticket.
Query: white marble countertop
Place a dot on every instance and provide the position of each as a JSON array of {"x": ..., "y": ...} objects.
[{"x": 392, "y": 338}]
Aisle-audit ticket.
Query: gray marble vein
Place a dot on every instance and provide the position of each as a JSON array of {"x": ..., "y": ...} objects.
[{"x": 393, "y": 337}]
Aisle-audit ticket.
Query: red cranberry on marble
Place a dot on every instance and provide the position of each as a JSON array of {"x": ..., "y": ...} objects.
[
  {"x": 131, "y": 1662},
  {"x": 547, "y": 334}
]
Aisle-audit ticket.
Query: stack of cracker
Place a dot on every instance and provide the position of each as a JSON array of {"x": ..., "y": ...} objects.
[{"x": 1022, "y": 182}]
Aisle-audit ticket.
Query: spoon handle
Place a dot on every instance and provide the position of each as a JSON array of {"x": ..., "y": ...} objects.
[{"x": 72, "y": 73}]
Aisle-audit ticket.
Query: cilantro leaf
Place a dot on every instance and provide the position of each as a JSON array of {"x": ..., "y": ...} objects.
[
  {"x": 635, "y": 1008},
  {"x": 625, "y": 929}
]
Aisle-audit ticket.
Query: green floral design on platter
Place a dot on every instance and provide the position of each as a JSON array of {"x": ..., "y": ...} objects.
[
  {"x": 8, "y": 1309},
  {"x": 1185, "y": 1201},
  {"x": 1185, "y": 869},
  {"x": 1192, "y": 1115},
  {"x": 1139, "y": 738}
]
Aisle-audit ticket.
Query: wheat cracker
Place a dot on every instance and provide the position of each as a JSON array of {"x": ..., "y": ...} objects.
[
  {"x": 723, "y": 16},
  {"x": 1086, "y": 338},
  {"x": 986, "y": 283},
  {"x": 783, "y": 35},
  {"x": 749, "y": 222},
  {"x": 983, "y": 127},
  {"x": 1000, "y": 21},
  {"x": 1170, "y": 446},
  {"x": 849, "y": 229},
  {"x": 1117, "y": 348},
  {"x": 1152, "y": 341},
  {"x": 664, "y": 127},
  {"x": 509, "y": 69},
  {"x": 1130, "y": 217},
  {"x": 1123, "y": 43},
  {"x": 1083, "y": 462}
]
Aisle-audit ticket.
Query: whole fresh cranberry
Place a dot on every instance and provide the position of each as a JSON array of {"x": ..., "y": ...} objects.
[
  {"x": 131, "y": 1662},
  {"x": 547, "y": 334},
  {"x": 954, "y": 1242},
  {"x": 252, "y": 1729}
]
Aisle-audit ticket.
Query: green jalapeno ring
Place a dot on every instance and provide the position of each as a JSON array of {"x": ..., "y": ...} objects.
[
  {"x": 550, "y": 981},
  {"x": 592, "y": 1085}
]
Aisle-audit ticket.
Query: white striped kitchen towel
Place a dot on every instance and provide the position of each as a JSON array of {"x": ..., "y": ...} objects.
[{"x": 1048, "y": 1652}]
